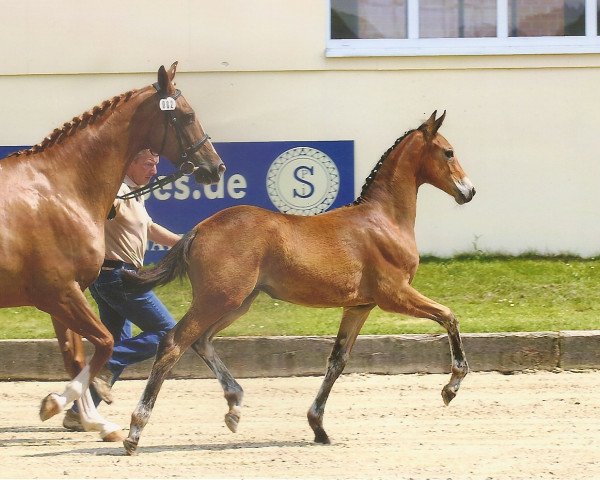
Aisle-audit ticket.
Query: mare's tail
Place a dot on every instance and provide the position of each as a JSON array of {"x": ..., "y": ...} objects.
[{"x": 173, "y": 265}]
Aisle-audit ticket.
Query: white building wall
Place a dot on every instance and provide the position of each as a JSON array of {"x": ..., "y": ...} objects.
[{"x": 524, "y": 127}]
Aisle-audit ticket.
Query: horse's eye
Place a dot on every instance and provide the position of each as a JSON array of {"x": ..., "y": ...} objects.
[
  {"x": 190, "y": 118},
  {"x": 449, "y": 154}
]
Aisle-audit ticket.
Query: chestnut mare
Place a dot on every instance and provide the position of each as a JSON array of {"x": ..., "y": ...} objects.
[
  {"x": 356, "y": 257},
  {"x": 55, "y": 198}
]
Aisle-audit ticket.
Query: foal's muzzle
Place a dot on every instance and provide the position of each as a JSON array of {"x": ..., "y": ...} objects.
[{"x": 466, "y": 191}]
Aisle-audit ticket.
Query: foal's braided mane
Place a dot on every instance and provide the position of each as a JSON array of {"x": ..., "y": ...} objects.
[
  {"x": 376, "y": 168},
  {"x": 77, "y": 123}
]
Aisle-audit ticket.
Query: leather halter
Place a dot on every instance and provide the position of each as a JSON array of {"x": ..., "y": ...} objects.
[
  {"x": 186, "y": 166},
  {"x": 171, "y": 119}
]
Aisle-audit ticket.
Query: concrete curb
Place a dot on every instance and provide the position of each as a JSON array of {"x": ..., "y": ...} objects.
[{"x": 299, "y": 356}]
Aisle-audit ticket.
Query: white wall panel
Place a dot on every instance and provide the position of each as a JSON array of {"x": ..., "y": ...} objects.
[{"x": 525, "y": 128}]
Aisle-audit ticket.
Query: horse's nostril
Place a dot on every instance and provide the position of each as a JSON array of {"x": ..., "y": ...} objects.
[
  {"x": 473, "y": 192},
  {"x": 222, "y": 169},
  {"x": 202, "y": 174}
]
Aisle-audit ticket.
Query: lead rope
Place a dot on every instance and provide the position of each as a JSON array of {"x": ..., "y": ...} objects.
[
  {"x": 161, "y": 182},
  {"x": 144, "y": 190},
  {"x": 186, "y": 168}
]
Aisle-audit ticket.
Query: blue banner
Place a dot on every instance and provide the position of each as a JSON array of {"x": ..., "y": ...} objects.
[{"x": 302, "y": 178}]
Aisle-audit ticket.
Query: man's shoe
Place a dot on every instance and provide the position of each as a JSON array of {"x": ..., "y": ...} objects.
[
  {"x": 72, "y": 421},
  {"x": 102, "y": 383}
]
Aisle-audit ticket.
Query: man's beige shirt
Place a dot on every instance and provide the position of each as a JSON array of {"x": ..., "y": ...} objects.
[{"x": 126, "y": 235}]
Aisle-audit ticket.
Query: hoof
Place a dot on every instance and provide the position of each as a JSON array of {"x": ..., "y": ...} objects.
[
  {"x": 103, "y": 390},
  {"x": 130, "y": 447},
  {"x": 116, "y": 436},
  {"x": 321, "y": 437},
  {"x": 448, "y": 394},
  {"x": 232, "y": 421},
  {"x": 50, "y": 407}
]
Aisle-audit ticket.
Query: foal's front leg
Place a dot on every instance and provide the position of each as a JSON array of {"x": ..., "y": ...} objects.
[{"x": 412, "y": 303}]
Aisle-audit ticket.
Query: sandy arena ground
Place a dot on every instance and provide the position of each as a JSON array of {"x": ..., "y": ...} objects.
[{"x": 537, "y": 425}]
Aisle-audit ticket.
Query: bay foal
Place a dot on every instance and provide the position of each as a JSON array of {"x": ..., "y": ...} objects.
[{"x": 355, "y": 257}]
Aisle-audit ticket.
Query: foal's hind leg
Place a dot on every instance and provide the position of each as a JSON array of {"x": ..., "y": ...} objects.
[
  {"x": 189, "y": 329},
  {"x": 413, "y": 303},
  {"x": 352, "y": 321},
  {"x": 231, "y": 388},
  {"x": 204, "y": 348},
  {"x": 171, "y": 348}
]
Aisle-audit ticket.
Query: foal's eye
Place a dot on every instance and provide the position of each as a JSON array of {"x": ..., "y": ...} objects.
[
  {"x": 189, "y": 118},
  {"x": 449, "y": 154}
]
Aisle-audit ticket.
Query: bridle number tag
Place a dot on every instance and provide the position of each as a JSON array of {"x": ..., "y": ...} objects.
[{"x": 168, "y": 103}]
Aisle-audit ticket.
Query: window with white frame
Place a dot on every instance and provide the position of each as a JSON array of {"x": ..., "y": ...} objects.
[{"x": 462, "y": 27}]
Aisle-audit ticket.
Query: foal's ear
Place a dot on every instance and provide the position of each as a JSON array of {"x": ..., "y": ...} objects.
[
  {"x": 164, "y": 80},
  {"x": 439, "y": 121},
  {"x": 432, "y": 125}
]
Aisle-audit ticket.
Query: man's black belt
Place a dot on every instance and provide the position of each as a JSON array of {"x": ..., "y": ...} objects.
[{"x": 112, "y": 264}]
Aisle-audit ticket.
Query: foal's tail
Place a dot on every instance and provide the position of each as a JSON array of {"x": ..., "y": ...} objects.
[{"x": 173, "y": 265}]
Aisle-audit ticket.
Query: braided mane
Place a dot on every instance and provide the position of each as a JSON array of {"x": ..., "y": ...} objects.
[
  {"x": 77, "y": 123},
  {"x": 376, "y": 168}
]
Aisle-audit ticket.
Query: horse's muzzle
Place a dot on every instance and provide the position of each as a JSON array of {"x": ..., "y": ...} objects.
[
  {"x": 207, "y": 175},
  {"x": 466, "y": 198},
  {"x": 463, "y": 198},
  {"x": 465, "y": 191}
]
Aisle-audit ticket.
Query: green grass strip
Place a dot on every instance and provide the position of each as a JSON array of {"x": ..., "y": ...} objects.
[{"x": 488, "y": 293}]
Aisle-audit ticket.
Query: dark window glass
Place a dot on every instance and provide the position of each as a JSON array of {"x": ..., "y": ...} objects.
[
  {"x": 368, "y": 19},
  {"x": 540, "y": 18},
  {"x": 457, "y": 18}
]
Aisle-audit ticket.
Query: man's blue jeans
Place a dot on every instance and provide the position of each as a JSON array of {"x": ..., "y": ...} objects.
[{"x": 118, "y": 311}]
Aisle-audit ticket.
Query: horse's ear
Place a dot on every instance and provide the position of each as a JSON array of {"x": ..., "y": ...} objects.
[
  {"x": 172, "y": 71},
  {"x": 431, "y": 125},
  {"x": 428, "y": 126},
  {"x": 164, "y": 81},
  {"x": 439, "y": 121}
]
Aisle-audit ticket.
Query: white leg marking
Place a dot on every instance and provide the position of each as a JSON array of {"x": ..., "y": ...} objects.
[
  {"x": 91, "y": 420},
  {"x": 74, "y": 388}
]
